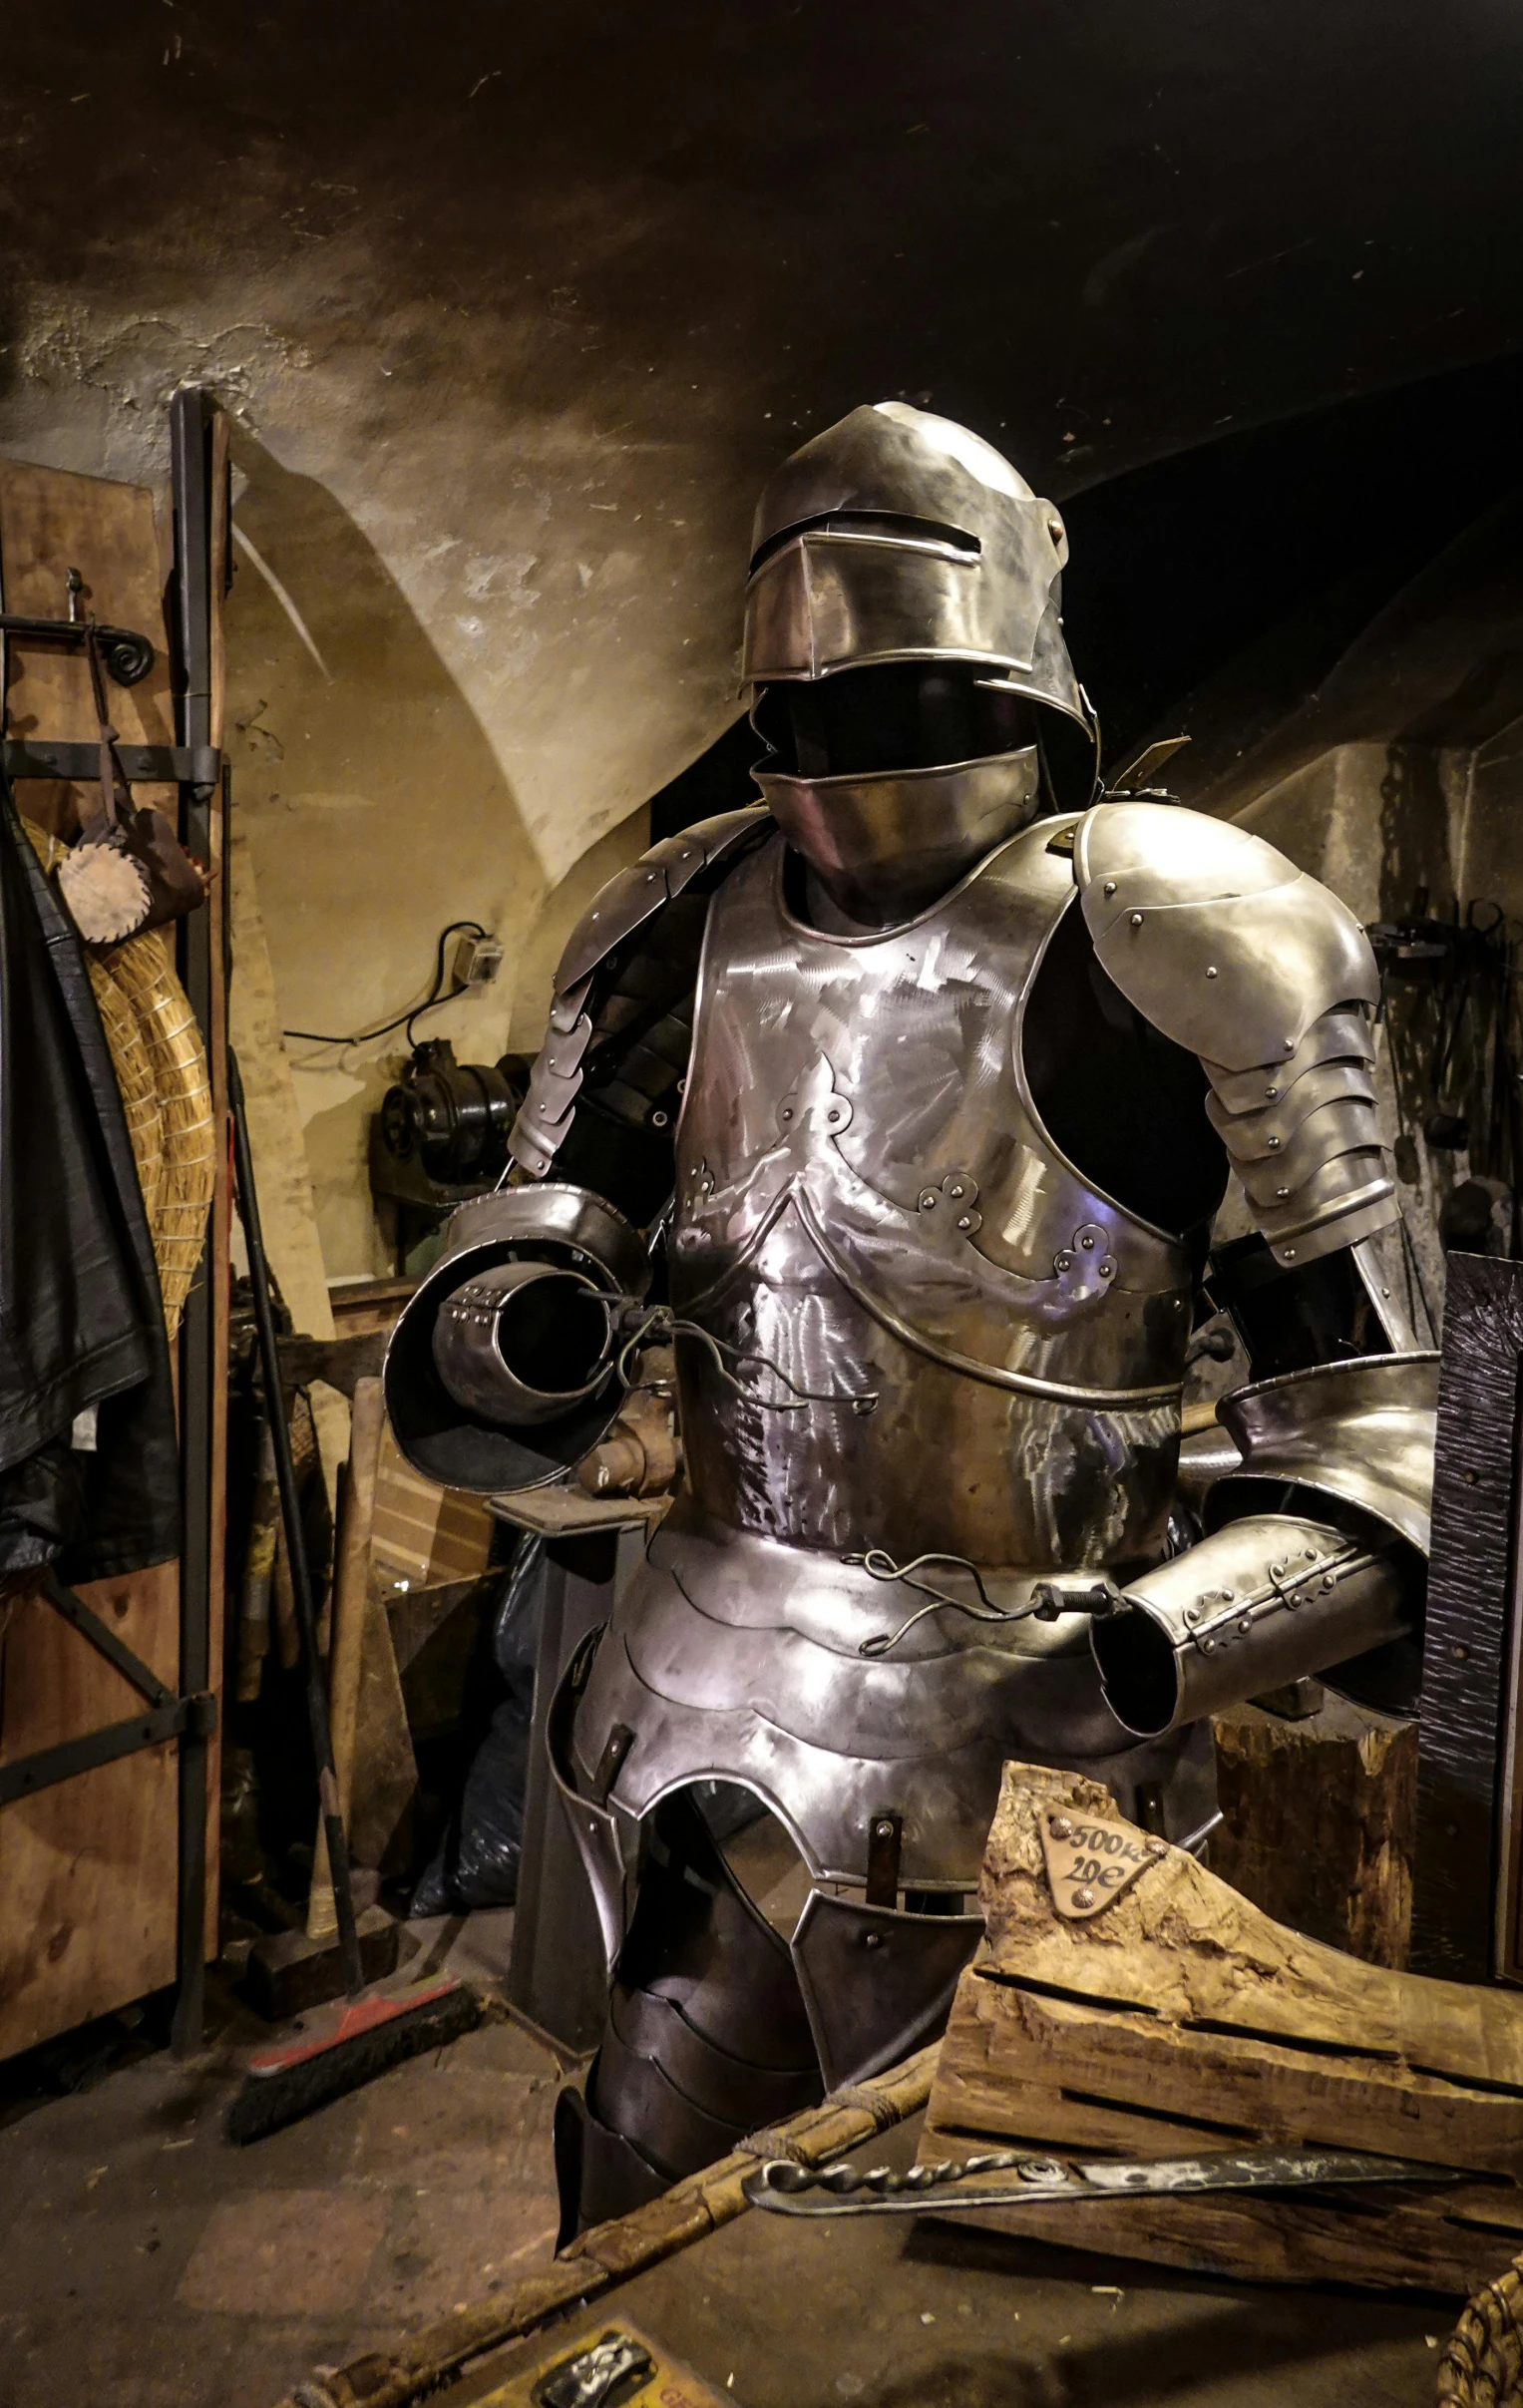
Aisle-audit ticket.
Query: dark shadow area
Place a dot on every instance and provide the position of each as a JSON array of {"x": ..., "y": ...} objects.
[{"x": 1308, "y": 528}]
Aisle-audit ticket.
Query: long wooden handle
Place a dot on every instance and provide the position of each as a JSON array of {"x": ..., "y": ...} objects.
[{"x": 351, "y": 1588}]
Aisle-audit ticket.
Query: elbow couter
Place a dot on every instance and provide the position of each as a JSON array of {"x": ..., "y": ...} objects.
[{"x": 1267, "y": 1601}]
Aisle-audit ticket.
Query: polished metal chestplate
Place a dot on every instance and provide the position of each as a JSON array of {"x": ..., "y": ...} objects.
[{"x": 930, "y": 1338}]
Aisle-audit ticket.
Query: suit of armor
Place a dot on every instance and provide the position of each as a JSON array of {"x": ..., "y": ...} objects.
[{"x": 959, "y": 1058}]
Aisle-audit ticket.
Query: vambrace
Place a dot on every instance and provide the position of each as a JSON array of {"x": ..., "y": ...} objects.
[
  {"x": 1262, "y": 1603},
  {"x": 1316, "y": 1537}
]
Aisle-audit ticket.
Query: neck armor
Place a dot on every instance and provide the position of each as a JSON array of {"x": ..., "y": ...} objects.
[{"x": 884, "y": 846}]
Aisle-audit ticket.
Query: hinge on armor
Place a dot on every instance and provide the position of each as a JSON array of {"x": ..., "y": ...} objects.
[{"x": 886, "y": 1832}]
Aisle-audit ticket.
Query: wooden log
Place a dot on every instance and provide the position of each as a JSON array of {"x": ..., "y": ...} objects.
[
  {"x": 1319, "y": 1823},
  {"x": 1179, "y": 1943},
  {"x": 1181, "y": 2018},
  {"x": 1213, "y": 2088}
]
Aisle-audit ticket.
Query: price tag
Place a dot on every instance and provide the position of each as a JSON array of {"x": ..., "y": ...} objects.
[{"x": 1090, "y": 1863}]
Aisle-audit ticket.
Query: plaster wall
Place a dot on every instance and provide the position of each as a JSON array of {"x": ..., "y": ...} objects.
[{"x": 515, "y": 313}]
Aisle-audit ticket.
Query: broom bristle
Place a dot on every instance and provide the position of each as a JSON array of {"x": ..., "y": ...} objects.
[{"x": 266, "y": 2102}]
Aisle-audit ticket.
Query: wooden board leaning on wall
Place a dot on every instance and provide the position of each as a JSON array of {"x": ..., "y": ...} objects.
[{"x": 88, "y": 1867}]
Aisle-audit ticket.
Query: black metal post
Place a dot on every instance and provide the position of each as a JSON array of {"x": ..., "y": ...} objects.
[{"x": 191, "y": 414}]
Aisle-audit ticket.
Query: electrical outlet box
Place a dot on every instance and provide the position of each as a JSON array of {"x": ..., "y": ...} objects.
[{"x": 476, "y": 962}]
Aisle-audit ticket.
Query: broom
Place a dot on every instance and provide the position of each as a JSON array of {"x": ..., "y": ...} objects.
[{"x": 368, "y": 2035}]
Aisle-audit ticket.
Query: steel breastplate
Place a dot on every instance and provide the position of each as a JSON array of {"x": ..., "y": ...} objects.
[{"x": 942, "y": 1338}]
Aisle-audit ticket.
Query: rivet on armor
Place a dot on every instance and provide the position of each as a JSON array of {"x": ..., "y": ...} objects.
[
  {"x": 1287, "y": 1254},
  {"x": 1088, "y": 1244},
  {"x": 786, "y": 1113},
  {"x": 928, "y": 1199},
  {"x": 965, "y": 1222},
  {"x": 1211, "y": 973},
  {"x": 1273, "y": 1095},
  {"x": 1109, "y": 887},
  {"x": 956, "y": 1190},
  {"x": 1107, "y": 1270},
  {"x": 1207, "y": 1646},
  {"x": 1281, "y": 1193},
  {"x": 1136, "y": 919},
  {"x": 1245, "y": 1626},
  {"x": 659, "y": 1120},
  {"x": 1062, "y": 1262},
  {"x": 1277, "y": 1571},
  {"x": 1273, "y": 1145},
  {"x": 1192, "y": 1615},
  {"x": 873, "y": 1940}
]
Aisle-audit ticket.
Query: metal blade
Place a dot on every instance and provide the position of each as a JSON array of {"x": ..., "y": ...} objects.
[{"x": 1006, "y": 2180}]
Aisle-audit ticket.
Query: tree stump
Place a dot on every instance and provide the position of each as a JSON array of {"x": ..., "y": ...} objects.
[
  {"x": 1319, "y": 1823},
  {"x": 1174, "y": 2017}
]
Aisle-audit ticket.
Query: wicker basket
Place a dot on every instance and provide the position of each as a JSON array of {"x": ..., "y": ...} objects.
[
  {"x": 140, "y": 972},
  {"x": 1482, "y": 2366}
]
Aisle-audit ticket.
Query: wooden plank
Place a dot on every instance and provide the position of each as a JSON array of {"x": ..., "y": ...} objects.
[
  {"x": 51, "y": 521},
  {"x": 425, "y": 1536},
  {"x": 567, "y": 1512},
  {"x": 1219, "y": 2089},
  {"x": 87, "y": 1868}
]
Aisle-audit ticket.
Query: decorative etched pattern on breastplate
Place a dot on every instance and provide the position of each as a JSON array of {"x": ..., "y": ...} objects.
[{"x": 990, "y": 1352}]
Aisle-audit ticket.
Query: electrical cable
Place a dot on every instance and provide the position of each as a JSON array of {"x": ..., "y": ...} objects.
[{"x": 363, "y": 1037}]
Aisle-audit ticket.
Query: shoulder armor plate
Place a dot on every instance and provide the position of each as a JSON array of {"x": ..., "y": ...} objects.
[
  {"x": 1362, "y": 1432},
  {"x": 628, "y": 900},
  {"x": 633, "y": 894},
  {"x": 1216, "y": 937}
]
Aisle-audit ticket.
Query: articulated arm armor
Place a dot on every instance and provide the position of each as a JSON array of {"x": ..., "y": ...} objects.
[
  {"x": 1231, "y": 951},
  {"x": 1228, "y": 949},
  {"x": 621, "y": 1020},
  {"x": 1266, "y": 975}
]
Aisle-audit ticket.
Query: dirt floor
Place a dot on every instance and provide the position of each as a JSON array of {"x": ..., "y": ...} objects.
[
  {"x": 149, "y": 2264},
  {"x": 145, "y": 2264}
]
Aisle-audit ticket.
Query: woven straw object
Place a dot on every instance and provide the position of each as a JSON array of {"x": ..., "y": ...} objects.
[
  {"x": 140, "y": 972},
  {"x": 1482, "y": 2366},
  {"x": 160, "y": 1067}
]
